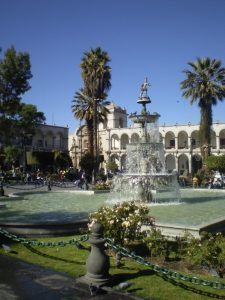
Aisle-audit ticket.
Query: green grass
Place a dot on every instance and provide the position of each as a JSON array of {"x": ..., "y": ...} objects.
[{"x": 144, "y": 282}]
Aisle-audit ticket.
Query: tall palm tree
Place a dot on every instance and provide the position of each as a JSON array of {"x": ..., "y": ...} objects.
[
  {"x": 96, "y": 74},
  {"x": 204, "y": 84},
  {"x": 82, "y": 109}
]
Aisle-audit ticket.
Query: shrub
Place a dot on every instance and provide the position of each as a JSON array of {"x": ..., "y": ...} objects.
[
  {"x": 208, "y": 250},
  {"x": 101, "y": 185},
  {"x": 156, "y": 243},
  {"x": 123, "y": 221}
]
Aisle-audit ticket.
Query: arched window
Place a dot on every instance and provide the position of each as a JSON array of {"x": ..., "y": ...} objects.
[{"x": 124, "y": 141}]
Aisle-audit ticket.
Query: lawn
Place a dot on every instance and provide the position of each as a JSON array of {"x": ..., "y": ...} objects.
[{"x": 144, "y": 282}]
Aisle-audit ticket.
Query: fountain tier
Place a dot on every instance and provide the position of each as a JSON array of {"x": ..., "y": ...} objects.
[{"x": 145, "y": 173}]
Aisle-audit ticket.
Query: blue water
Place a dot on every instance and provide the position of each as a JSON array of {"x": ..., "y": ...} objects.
[{"x": 196, "y": 208}]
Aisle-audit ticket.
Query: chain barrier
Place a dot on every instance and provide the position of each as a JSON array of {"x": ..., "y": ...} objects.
[
  {"x": 40, "y": 185},
  {"x": 24, "y": 241},
  {"x": 62, "y": 185},
  {"x": 123, "y": 252},
  {"x": 25, "y": 189},
  {"x": 164, "y": 271}
]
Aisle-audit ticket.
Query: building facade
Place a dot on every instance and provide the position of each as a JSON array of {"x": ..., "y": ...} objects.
[
  {"x": 46, "y": 139},
  {"x": 49, "y": 138},
  {"x": 181, "y": 142}
]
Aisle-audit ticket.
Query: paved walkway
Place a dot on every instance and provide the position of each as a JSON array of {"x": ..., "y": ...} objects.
[{"x": 24, "y": 281}]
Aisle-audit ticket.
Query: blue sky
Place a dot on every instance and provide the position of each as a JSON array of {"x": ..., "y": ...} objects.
[{"x": 144, "y": 38}]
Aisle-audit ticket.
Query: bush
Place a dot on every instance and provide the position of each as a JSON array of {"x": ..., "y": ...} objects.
[
  {"x": 101, "y": 185},
  {"x": 123, "y": 221},
  {"x": 208, "y": 250},
  {"x": 156, "y": 243}
]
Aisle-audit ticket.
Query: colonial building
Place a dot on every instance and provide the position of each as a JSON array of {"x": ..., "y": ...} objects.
[
  {"x": 181, "y": 142},
  {"x": 46, "y": 139},
  {"x": 49, "y": 138}
]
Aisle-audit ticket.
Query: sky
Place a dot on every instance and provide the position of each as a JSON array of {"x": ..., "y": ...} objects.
[{"x": 144, "y": 38}]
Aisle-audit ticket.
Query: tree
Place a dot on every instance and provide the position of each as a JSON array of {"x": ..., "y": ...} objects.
[
  {"x": 216, "y": 163},
  {"x": 96, "y": 75},
  {"x": 82, "y": 109},
  {"x": 15, "y": 73},
  {"x": 204, "y": 84},
  {"x": 28, "y": 120},
  {"x": 11, "y": 155}
]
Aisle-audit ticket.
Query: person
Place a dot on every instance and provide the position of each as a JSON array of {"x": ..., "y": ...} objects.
[
  {"x": 209, "y": 183},
  {"x": 195, "y": 182}
]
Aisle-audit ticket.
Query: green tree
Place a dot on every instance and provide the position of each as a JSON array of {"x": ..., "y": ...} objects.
[
  {"x": 62, "y": 160},
  {"x": 205, "y": 84},
  {"x": 216, "y": 163},
  {"x": 28, "y": 120},
  {"x": 82, "y": 109},
  {"x": 15, "y": 73},
  {"x": 11, "y": 155},
  {"x": 112, "y": 166}
]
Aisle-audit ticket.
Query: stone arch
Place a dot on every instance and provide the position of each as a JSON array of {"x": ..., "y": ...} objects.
[
  {"x": 183, "y": 164},
  {"x": 135, "y": 138},
  {"x": 115, "y": 142},
  {"x": 170, "y": 140},
  {"x": 182, "y": 140},
  {"x": 170, "y": 163},
  {"x": 195, "y": 139},
  {"x": 124, "y": 140}
]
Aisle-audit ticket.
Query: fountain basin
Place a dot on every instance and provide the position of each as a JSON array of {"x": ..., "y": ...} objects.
[{"x": 59, "y": 213}]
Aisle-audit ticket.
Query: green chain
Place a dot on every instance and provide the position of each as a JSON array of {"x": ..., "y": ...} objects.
[
  {"x": 166, "y": 272},
  {"x": 24, "y": 241},
  {"x": 124, "y": 252}
]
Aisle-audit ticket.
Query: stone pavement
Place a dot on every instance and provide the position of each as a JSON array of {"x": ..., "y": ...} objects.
[{"x": 24, "y": 281}]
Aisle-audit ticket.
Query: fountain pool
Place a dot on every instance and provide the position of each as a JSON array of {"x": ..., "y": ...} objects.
[{"x": 31, "y": 213}]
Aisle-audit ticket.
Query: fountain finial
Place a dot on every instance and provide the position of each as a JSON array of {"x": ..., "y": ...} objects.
[{"x": 144, "y": 98}]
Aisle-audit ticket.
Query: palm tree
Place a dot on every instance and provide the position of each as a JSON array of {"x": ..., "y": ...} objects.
[
  {"x": 82, "y": 109},
  {"x": 204, "y": 84},
  {"x": 96, "y": 74}
]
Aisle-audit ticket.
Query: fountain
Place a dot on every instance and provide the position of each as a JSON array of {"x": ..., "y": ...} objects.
[{"x": 145, "y": 178}]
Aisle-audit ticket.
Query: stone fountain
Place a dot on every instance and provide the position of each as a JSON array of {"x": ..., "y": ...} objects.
[{"x": 145, "y": 177}]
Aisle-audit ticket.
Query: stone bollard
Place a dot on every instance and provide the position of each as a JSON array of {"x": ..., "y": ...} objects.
[{"x": 98, "y": 262}]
